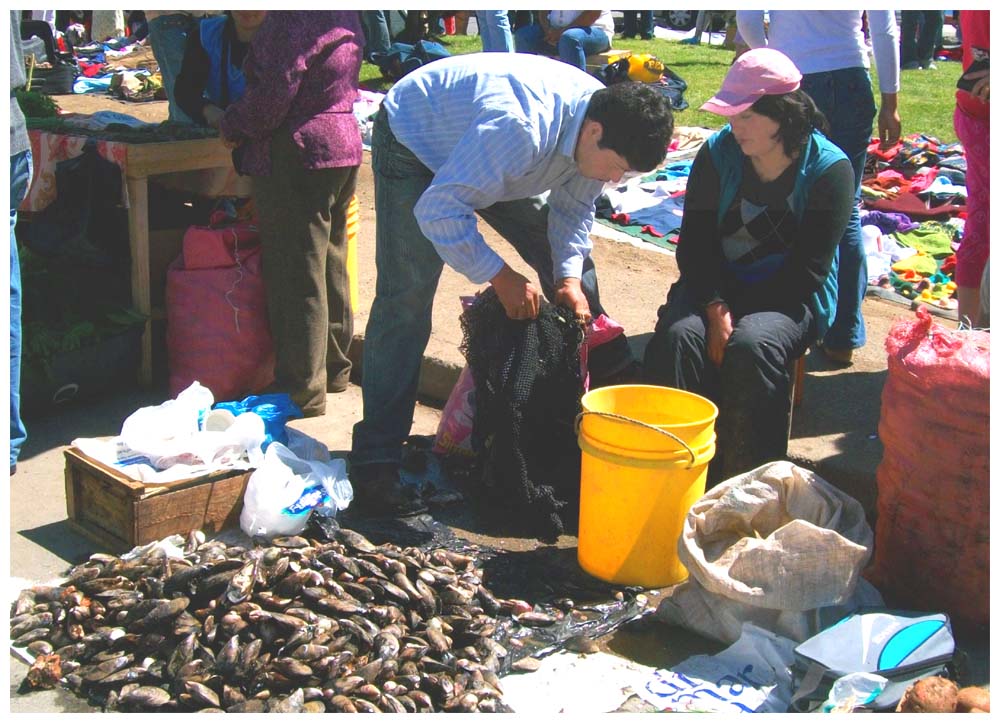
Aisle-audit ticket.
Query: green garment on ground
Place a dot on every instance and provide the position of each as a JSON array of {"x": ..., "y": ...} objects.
[{"x": 931, "y": 237}]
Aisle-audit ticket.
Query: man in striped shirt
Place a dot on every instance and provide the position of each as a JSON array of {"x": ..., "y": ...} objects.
[{"x": 525, "y": 142}]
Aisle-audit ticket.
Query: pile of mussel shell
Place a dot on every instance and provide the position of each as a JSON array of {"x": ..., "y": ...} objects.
[{"x": 295, "y": 625}]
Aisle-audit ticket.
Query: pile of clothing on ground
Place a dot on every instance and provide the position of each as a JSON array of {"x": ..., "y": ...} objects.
[{"x": 914, "y": 195}]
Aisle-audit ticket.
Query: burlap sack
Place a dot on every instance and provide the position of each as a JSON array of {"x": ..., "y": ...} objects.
[{"x": 777, "y": 546}]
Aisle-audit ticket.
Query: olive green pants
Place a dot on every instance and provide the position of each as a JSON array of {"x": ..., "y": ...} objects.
[{"x": 303, "y": 232}]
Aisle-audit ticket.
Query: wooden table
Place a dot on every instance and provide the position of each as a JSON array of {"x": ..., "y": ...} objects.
[
  {"x": 139, "y": 162},
  {"x": 151, "y": 159}
]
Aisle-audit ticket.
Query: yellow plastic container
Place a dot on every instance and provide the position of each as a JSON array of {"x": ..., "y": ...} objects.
[
  {"x": 645, "y": 454},
  {"x": 353, "y": 223}
]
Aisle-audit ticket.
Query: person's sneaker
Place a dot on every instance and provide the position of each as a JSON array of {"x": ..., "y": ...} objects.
[
  {"x": 378, "y": 491},
  {"x": 929, "y": 66},
  {"x": 912, "y": 65}
]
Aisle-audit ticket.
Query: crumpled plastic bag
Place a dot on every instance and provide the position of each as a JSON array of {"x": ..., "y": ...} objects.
[{"x": 284, "y": 490}]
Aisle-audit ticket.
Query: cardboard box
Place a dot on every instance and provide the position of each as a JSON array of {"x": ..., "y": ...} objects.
[{"x": 119, "y": 512}]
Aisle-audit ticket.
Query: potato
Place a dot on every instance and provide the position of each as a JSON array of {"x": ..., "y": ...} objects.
[
  {"x": 929, "y": 695},
  {"x": 973, "y": 698}
]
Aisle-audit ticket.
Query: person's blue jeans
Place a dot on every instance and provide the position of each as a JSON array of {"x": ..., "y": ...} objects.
[
  {"x": 574, "y": 46},
  {"x": 168, "y": 36},
  {"x": 919, "y": 34},
  {"x": 20, "y": 179},
  {"x": 376, "y": 29},
  {"x": 845, "y": 97},
  {"x": 637, "y": 21},
  {"x": 408, "y": 268},
  {"x": 494, "y": 29}
]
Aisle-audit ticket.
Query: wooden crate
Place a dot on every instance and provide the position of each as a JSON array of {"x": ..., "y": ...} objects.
[{"x": 120, "y": 513}]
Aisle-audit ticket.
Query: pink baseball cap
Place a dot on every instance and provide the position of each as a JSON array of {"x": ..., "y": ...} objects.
[{"x": 756, "y": 73}]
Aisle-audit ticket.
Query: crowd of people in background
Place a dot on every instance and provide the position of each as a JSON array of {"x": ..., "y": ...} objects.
[{"x": 280, "y": 86}]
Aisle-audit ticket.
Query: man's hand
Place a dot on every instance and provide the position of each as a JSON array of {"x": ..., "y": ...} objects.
[
  {"x": 229, "y": 143},
  {"x": 890, "y": 128},
  {"x": 520, "y": 298},
  {"x": 569, "y": 293},
  {"x": 720, "y": 328},
  {"x": 552, "y": 35}
]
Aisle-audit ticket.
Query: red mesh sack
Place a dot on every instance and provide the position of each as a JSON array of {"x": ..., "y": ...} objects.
[
  {"x": 217, "y": 328},
  {"x": 932, "y": 537}
]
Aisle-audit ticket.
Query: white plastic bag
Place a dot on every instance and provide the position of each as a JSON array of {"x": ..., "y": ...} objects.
[
  {"x": 163, "y": 432},
  {"x": 285, "y": 489},
  {"x": 753, "y": 675}
]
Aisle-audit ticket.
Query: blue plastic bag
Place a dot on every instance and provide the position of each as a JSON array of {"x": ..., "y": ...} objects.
[{"x": 274, "y": 409}]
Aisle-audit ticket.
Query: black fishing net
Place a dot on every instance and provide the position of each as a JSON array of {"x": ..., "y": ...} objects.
[{"x": 528, "y": 388}]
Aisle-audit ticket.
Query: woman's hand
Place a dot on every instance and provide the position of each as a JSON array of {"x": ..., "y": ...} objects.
[
  {"x": 213, "y": 115},
  {"x": 720, "y": 328},
  {"x": 981, "y": 88}
]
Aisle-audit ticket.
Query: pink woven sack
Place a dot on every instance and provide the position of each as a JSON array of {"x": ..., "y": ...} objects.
[{"x": 217, "y": 328}]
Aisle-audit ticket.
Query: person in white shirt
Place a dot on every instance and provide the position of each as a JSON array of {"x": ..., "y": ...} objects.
[
  {"x": 828, "y": 46},
  {"x": 570, "y": 34}
]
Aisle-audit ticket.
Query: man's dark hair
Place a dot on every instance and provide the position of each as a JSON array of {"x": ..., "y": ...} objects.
[
  {"x": 796, "y": 115},
  {"x": 637, "y": 123}
]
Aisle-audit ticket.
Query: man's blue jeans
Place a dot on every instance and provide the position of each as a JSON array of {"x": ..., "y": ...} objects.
[
  {"x": 573, "y": 48},
  {"x": 408, "y": 269},
  {"x": 376, "y": 29},
  {"x": 494, "y": 29},
  {"x": 845, "y": 97},
  {"x": 20, "y": 179},
  {"x": 168, "y": 36}
]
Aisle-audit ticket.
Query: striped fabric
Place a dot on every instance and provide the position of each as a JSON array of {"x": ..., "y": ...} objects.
[{"x": 497, "y": 127}]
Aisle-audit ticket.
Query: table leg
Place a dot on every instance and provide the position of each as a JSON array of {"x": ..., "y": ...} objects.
[{"x": 138, "y": 232}]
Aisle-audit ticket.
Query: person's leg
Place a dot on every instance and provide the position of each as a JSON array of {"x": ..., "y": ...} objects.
[
  {"x": 577, "y": 43},
  {"x": 974, "y": 250},
  {"x": 524, "y": 224},
  {"x": 529, "y": 39},
  {"x": 646, "y": 24},
  {"x": 845, "y": 97},
  {"x": 20, "y": 179},
  {"x": 297, "y": 209},
  {"x": 630, "y": 27},
  {"x": 376, "y": 32},
  {"x": 754, "y": 402},
  {"x": 340, "y": 315},
  {"x": 167, "y": 37},
  {"x": 930, "y": 32},
  {"x": 494, "y": 28},
  {"x": 677, "y": 354},
  {"x": 408, "y": 269},
  {"x": 909, "y": 24}
]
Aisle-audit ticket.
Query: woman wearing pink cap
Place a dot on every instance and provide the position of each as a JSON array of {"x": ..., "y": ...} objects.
[{"x": 767, "y": 202}]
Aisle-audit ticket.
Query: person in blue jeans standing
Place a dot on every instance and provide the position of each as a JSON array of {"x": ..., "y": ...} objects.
[
  {"x": 570, "y": 34},
  {"x": 20, "y": 179},
  {"x": 837, "y": 79},
  {"x": 487, "y": 135},
  {"x": 168, "y": 31},
  {"x": 494, "y": 29},
  {"x": 920, "y": 36}
]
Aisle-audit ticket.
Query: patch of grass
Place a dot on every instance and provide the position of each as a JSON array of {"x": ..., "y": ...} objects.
[{"x": 926, "y": 98}]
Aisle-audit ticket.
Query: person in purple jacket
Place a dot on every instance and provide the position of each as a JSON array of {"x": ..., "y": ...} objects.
[{"x": 295, "y": 133}]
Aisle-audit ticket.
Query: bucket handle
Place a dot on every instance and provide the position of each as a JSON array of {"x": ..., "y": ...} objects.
[{"x": 622, "y": 418}]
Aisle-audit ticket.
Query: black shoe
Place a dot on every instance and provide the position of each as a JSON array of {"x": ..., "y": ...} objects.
[
  {"x": 647, "y": 37},
  {"x": 378, "y": 491}
]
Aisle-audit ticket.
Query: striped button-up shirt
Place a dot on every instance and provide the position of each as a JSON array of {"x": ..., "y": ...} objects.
[{"x": 497, "y": 127}]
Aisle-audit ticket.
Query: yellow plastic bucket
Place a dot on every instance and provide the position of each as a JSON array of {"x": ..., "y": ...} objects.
[
  {"x": 353, "y": 224},
  {"x": 645, "y": 454}
]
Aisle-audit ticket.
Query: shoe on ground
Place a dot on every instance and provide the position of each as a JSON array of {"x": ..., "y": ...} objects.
[
  {"x": 928, "y": 66},
  {"x": 647, "y": 37},
  {"x": 912, "y": 65},
  {"x": 840, "y": 356},
  {"x": 379, "y": 492}
]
